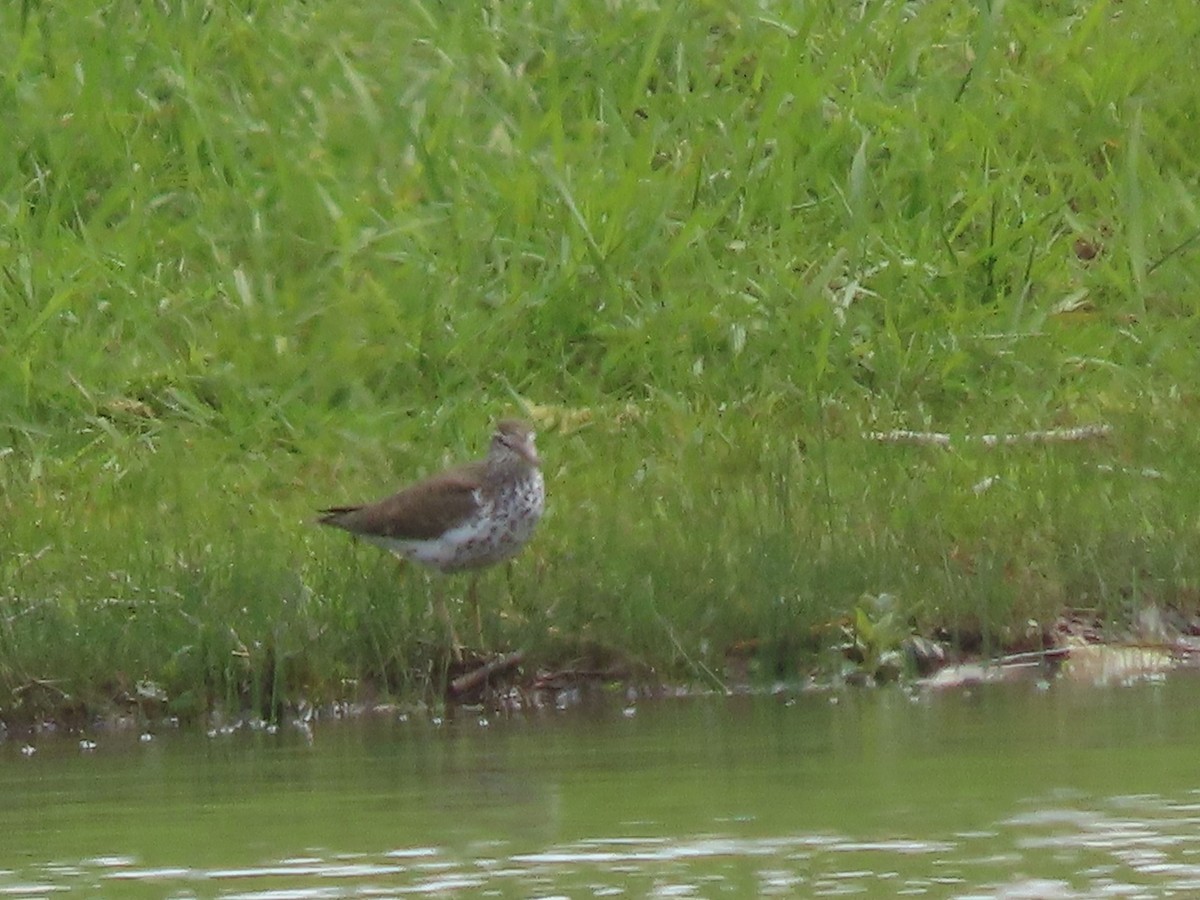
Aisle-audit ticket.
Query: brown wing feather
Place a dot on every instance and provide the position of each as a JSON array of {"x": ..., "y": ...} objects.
[{"x": 419, "y": 512}]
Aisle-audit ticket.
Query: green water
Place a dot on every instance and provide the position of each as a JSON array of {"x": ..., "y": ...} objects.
[{"x": 1002, "y": 791}]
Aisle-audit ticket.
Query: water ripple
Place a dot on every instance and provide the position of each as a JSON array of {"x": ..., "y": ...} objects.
[{"x": 1142, "y": 846}]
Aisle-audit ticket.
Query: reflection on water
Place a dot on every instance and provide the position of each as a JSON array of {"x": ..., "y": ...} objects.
[
  {"x": 1121, "y": 851},
  {"x": 1007, "y": 792}
]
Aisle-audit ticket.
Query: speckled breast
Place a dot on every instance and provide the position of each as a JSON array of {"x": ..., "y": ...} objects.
[{"x": 502, "y": 527}]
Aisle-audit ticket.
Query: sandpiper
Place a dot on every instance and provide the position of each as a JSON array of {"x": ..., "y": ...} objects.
[{"x": 467, "y": 517}]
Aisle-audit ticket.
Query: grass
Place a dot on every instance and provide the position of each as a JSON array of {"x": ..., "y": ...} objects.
[{"x": 259, "y": 258}]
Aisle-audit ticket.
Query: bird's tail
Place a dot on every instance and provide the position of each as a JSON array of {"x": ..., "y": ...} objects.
[{"x": 336, "y": 516}]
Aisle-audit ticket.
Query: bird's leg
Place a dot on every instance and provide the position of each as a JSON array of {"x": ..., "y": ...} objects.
[
  {"x": 439, "y": 608},
  {"x": 512, "y": 591},
  {"x": 473, "y": 603},
  {"x": 518, "y": 604}
]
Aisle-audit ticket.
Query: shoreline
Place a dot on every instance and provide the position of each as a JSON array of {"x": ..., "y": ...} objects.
[{"x": 1083, "y": 654}]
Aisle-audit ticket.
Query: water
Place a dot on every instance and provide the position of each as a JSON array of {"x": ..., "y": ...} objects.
[{"x": 1004, "y": 791}]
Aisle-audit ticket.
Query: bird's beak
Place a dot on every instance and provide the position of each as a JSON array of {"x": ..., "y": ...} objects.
[{"x": 529, "y": 451}]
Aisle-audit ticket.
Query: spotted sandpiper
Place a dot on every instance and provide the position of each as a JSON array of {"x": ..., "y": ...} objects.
[{"x": 467, "y": 517}]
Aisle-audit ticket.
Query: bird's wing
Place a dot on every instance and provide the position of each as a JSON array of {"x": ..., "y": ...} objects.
[{"x": 419, "y": 512}]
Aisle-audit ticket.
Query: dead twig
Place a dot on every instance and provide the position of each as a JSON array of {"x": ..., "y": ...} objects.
[
  {"x": 697, "y": 664},
  {"x": 476, "y": 677},
  {"x": 941, "y": 439}
]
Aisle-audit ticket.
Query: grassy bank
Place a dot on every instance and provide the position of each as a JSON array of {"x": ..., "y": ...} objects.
[{"x": 257, "y": 260}]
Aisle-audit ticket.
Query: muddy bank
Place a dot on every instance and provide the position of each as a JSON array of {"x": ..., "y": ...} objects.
[{"x": 1077, "y": 647}]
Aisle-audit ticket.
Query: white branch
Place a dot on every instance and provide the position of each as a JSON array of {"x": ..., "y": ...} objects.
[{"x": 940, "y": 439}]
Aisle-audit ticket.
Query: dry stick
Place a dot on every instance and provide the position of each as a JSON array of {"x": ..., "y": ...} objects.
[
  {"x": 47, "y": 683},
  {"x": 1028, "y": 657},
  {"x": 941, "y": 439},
  {"x": 476, "y": 677},
  {"x": 695, "y": 663}
]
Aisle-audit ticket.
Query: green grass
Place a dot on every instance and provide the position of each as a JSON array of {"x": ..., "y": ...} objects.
[{"x": 259, "y": 258}]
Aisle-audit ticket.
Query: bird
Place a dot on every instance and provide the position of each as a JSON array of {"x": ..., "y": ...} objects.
[{"x": 464, "y": 518}]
